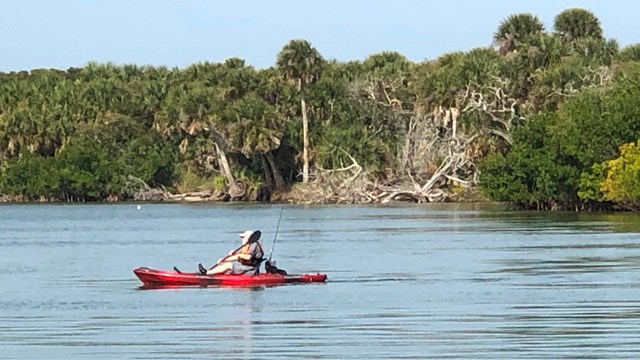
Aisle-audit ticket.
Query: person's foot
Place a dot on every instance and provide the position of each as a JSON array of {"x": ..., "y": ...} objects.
[{"x": 202, "y": 270}]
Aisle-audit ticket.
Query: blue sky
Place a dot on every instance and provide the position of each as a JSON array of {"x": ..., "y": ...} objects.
[{"x": 64, "y": 33}]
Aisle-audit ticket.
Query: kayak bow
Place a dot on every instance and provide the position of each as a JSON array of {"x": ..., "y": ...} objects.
[{"x": 153, "y": 277}]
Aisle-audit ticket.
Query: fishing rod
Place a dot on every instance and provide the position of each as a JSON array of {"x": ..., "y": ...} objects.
[{"x": 276, "y": 235}]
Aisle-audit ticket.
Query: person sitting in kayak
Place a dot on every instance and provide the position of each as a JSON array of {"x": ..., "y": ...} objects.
[{"x": 245, "y": 260}]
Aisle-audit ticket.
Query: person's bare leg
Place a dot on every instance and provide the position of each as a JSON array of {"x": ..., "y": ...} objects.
[{"x": 221, "y": 269}]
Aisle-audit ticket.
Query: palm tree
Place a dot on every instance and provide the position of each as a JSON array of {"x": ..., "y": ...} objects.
[
  {"x": 479, "y": 66},
  {"x": 577, "y": 23},
  {"x": 253, "y": 127},
  {"x": 630, "y": 53},
  {"x": 301, "y": 64},
  {"x": 516, "y": 30},
  {"x": 389, "y": 63}
]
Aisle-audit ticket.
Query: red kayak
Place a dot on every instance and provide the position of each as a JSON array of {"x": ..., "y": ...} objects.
[{"x": 159, "y": 278}]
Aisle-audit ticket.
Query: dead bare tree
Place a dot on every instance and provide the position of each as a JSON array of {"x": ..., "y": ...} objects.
[{"x": 438, "y": 153}]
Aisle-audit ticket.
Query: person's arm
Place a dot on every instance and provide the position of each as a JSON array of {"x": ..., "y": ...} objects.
[
  {"x": 240, "y": 255},
  {"x": 247, "y": 257},
  {"x": 229, "y": 257},
  {"x": 254, "y": 253}
]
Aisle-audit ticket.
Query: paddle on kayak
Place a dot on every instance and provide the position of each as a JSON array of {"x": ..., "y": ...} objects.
[{"x": 254, "y": 237}]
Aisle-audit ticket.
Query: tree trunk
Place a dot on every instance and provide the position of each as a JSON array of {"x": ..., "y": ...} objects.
[
  {"x": 267, "y": 172},
  {"x": 277, "y": 174},
  {"x": 224, "y": 164},
  {"x": 305, "y": 142}
]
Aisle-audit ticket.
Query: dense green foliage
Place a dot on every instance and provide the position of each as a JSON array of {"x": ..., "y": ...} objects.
[
  {"x": 623, "y": 177},
  {"x": 549, "y": 113},
  {"x": 557, "y": 155}
]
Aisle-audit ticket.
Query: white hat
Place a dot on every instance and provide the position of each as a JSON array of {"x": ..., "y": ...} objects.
[{"x": 246, "y": 234}]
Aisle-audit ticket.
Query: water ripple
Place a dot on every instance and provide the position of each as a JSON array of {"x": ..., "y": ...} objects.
[{"x": 408, "y": 282}]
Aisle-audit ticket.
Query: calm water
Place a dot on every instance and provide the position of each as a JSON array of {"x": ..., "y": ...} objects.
[{"x": 404, "y": 283}]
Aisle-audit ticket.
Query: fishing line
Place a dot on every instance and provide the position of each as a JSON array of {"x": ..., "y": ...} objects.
[{"x": 276, "y": 235}]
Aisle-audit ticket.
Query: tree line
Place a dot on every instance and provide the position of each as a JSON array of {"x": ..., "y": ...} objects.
[{"x": 541, "y": 119}]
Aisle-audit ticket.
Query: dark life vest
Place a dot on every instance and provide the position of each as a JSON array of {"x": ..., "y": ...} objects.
[{"x": 254, "y": 261}]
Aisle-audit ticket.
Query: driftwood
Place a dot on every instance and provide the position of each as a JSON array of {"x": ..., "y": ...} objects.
[
  {"x": 353, "y": 184},
  {"x": 233, "y": 193},
  {"x": 193, "y": 196},
  {"x": 141, "y": 191},
  {"x": 150, "y": 195}
]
